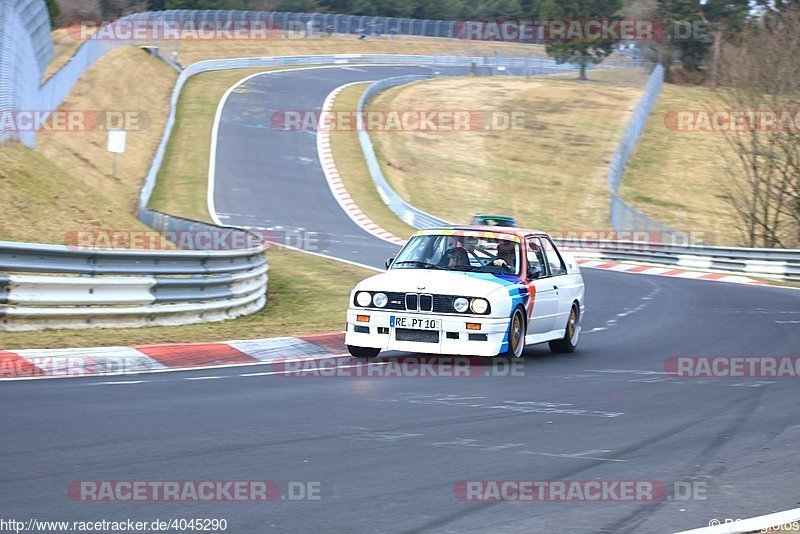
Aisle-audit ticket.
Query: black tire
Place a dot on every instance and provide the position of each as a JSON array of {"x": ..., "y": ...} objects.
[
  {"x": 516, "y": 335},
  {"x": 362, "y": 352},
  {"x": 569, "y": 342}
]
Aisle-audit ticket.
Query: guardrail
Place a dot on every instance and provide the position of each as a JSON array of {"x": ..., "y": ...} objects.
[
  {"x": 779, "y": 264},
  {"x": 75, "y": 288},
  {"x": 408, "y": 213}
]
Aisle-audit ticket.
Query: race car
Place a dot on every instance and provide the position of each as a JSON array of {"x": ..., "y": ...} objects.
[
  {"x": 478, "y": 291},
  {"x": 485, "y": 219}
]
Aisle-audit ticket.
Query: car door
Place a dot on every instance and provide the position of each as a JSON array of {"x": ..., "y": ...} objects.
[
  {"x": 543, "y": 309},
  {"x": 560, "y": 280}
]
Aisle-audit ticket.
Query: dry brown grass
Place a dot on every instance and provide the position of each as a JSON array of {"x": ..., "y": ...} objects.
[
  {"x": 42, "y": 202},
  {"x": 128, "y": 80},
  {"x": 190, "y": 51},
  {"x": 550, "y": 175},
  {"x": 674, "y": 176}
]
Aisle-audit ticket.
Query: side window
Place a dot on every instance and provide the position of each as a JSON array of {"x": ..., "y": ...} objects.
[
  {"x": 554, "y": 260},
  {"x": 533, "y": 250}
]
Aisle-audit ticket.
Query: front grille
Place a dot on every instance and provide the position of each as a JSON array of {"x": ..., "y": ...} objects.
[
  {"x": 399, "y": 301},
  {"x": 420, "y": 336},
  {"x": 426, "y": 302}
]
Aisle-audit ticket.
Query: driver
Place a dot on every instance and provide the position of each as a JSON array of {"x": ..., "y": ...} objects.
[
  {"x": 457, "y": 257},
  {"x": 506, "y": 256}
]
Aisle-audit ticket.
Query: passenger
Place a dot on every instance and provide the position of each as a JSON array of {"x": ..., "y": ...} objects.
[{"x": 506, "y": 256}]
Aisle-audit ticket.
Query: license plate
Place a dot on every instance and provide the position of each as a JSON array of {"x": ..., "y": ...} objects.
[{"x": 415, "y": 323}]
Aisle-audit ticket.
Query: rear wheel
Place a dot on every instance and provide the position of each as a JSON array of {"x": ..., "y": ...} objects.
[
  {"x": 362, "y": 352},
  {"x": 516, "y": 335},
  {"x": 570, "y": 340}
]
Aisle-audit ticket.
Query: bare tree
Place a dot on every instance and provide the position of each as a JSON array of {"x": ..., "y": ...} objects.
[{"x": 761, "y": 78}]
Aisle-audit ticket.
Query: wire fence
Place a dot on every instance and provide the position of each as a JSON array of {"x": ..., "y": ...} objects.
[{"x": 623, "y": 216}]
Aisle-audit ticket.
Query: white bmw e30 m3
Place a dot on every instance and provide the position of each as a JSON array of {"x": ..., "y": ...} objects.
[{"x": 478, "y": 291}]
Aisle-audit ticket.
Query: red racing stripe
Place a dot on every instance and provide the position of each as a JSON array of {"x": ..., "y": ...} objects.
[
  {"x": 714, "y": 276},
  {"x": 195, "y": 355}
]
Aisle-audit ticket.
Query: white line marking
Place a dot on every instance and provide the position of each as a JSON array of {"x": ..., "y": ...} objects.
[
  {"x": 753, "y": 524},
  {"x": 325, "y": 369},
  {"x": 205, "y": 377},
  {"x": 118, "y": 382}
]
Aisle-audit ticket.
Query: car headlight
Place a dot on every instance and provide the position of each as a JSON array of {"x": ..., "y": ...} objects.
[
  {"x": 461, "y": 304},
  {"x": 380, "y": 300},
  {"x": 363, "y": 299},
  {"x": 479, "y": 306}
]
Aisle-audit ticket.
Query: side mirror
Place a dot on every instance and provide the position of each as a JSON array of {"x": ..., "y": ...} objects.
[
  {"x": 534, "y": 272},
  {"x": 389, "y": 262}
]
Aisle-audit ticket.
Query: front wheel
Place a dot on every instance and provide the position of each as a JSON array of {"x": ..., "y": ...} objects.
[
  {"x": 516, "y": 335},
  {"x": 569, "y": 342},
  {"x": 362, "y": 352}
]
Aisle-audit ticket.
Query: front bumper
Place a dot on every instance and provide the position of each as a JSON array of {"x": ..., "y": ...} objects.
[{"x": 454, "y": 338}]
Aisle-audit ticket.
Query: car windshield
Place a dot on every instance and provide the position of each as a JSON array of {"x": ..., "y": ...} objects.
[
  {"x": 490, "y": 220},
  {"x": 465, "y": 252}
]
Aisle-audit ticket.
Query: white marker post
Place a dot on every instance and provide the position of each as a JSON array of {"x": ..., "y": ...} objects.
[{"x": 116, "y": 145}]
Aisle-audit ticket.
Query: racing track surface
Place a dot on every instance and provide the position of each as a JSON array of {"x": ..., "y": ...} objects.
[
  {"x": 391, "y": 449},
  {"x": 271, "y": 178}
]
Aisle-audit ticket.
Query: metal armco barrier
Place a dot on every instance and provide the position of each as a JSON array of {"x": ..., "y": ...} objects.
[
  {"x": 781, "y": 264},
  {"x": 75, "y": 288}
]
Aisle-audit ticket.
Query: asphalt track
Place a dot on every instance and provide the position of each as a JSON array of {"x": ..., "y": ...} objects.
[
  {"x": 271, "y": 178},
  {"x": 391, "y": 449}
]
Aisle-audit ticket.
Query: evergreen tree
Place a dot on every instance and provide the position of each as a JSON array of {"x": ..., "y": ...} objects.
[{"x": 577, "y": 49}]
